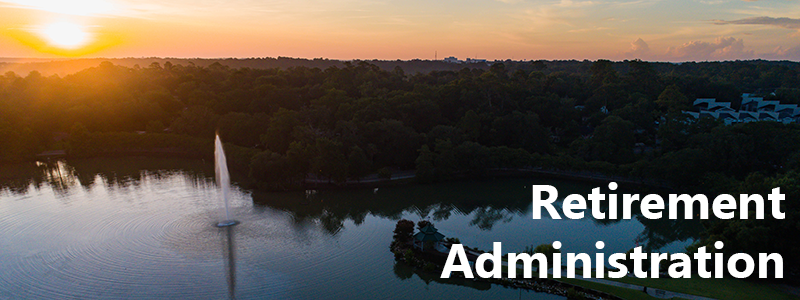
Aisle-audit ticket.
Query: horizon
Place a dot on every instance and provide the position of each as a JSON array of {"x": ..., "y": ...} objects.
[
  {"x": 9, "y": 60},
  {"x": 521, "y": 30}
]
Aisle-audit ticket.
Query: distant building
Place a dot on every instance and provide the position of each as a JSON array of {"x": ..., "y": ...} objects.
[
  {"x": 475, "y": 61},
  {"x": 452, "y": 60},
  {"x": 752, "y": 109}
]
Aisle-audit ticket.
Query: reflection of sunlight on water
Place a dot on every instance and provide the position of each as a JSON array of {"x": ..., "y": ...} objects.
[
  {"x": 146, "y": 233},
  {"x": 60, "y": 176}
]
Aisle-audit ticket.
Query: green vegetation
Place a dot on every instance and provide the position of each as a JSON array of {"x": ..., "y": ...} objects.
[
  {"x": 621, "y": 292},
  {"x": 723, "y": 288},
  {"x": 84, "y": 144},
  {"x": 352, "y": 119},
  {"x": 401, "y": 241}
]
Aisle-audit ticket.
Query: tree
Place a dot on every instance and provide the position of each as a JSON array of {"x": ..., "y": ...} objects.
[
  {"x": 425, "y": 172},
  {"x": 18, "y": 144},
  {"x": 471, "y": 125},
  {"x": 445, "y": 159},
  {"x": 403, "y": 231},
  {"x": 628, "y": 262},
  {"x": 270, "y": 168},
  {"x": 165, "y": 100},
  {"x": 385, "y": 173},
  {"x": 639, "y": 111},
  {"x": 473, "y": 158},
  {"x": 444, "y": 132},
  {"x": 677, "y": 128},
  {"x": 358, "y": 165},
  {"x": 423, "y": 224},
  {"x": 154, "y": 127},
  {"x": 643, "y": 78},
  {"x": 298, "y": 157},
  {"x": 396, "y": 143},
  {"x": 329, "y": 161},
  {"x": 278, "y": 135},
  {"x": 612, "y": 141},
  {"x": 520, "y": 130},
  {"x": 611, "y": 97},
  {"x": 683, "y": 167},
  {"x": 505, "y": 157},
  {"x": 198, "y": 121},
  {"x": 78, "y": 142},
  {"x": 672, "y": 100},
  {"x": 603, "y": 73},
  {"x": 549, "y": 251},
  {"x": 242, "y": 129}
]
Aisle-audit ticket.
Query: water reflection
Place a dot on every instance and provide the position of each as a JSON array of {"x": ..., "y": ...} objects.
[
  {"x": 139, "y": 228},
  {"x": 405, "y": 272},
  {"x": 229, "y": 256},
  {"x": 64, "y": 175},
  {"x": 486, "y": 217},
  {"x": 661, "y": 232},
  {"x": 488, "y": 204},
  {"x": 153, "y": 227},
  {"x": 482, "y": 202}
]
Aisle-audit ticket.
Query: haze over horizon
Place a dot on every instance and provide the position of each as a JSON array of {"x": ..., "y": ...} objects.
[{"x": 654, "y": 30}]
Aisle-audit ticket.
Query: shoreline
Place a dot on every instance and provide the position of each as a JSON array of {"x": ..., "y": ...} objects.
[
  {"x": 583, "y": 176},
  {"x": 421, "y": 259},
  {"x": 401, "y": 177}
]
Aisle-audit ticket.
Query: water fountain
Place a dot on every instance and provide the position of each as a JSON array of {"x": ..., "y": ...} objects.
[{"x": 224, "y": 181}]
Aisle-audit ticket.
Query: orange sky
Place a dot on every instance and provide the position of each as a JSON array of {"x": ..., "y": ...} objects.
[{"x": 672, "y": 30}]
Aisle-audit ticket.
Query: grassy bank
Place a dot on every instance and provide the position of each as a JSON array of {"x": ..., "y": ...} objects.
[
  {"x": 720, "y": 288},
  {"x": 613, "y": 290}
]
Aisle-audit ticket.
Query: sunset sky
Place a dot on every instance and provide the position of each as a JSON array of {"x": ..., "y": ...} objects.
[{"x": 664, "y": 30}]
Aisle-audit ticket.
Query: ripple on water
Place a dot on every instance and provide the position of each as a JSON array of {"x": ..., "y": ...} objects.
[
  {"x": 120, "y": 254},
  {"x": 106, "y": 257},
  {"x": 159, "y": 240}
]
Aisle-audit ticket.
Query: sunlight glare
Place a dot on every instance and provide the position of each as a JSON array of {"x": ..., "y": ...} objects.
[{"x": 65, "y": 35}]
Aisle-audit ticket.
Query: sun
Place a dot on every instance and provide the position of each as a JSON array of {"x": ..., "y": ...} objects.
[{"x": 65, "y": 35}]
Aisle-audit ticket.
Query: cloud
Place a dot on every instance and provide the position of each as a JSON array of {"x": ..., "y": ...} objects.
[
  {"x": 571, "y": 13},
  {"x": 581, "y": 30},
  {"x": 723, "y": 48},
  {"x": 570, "y": 3},
  {"x": 791, "y": 53},
  {"x": 639, "y": 49},
  {"x": 787, "y": 23}
]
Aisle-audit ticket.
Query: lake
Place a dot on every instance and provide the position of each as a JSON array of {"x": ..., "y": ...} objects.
[{"x": 140, "y": 227}]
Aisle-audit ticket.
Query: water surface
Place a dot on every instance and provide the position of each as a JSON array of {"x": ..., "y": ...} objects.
[{"x": 144, "y": 228}]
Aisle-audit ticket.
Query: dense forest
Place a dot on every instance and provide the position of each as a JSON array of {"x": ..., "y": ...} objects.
[{"x": 350, "y": 119}]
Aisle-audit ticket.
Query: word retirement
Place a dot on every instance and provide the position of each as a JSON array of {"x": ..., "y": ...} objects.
[{"x": 723, "y": 206}]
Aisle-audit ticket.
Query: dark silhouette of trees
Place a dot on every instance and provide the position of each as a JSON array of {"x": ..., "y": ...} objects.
[
  {"x": 672, "y": 100},
  {"x": 284, "y": 119}
]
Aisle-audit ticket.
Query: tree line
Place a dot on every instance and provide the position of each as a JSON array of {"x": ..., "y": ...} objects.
[{"x": 353, "y": 118}]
